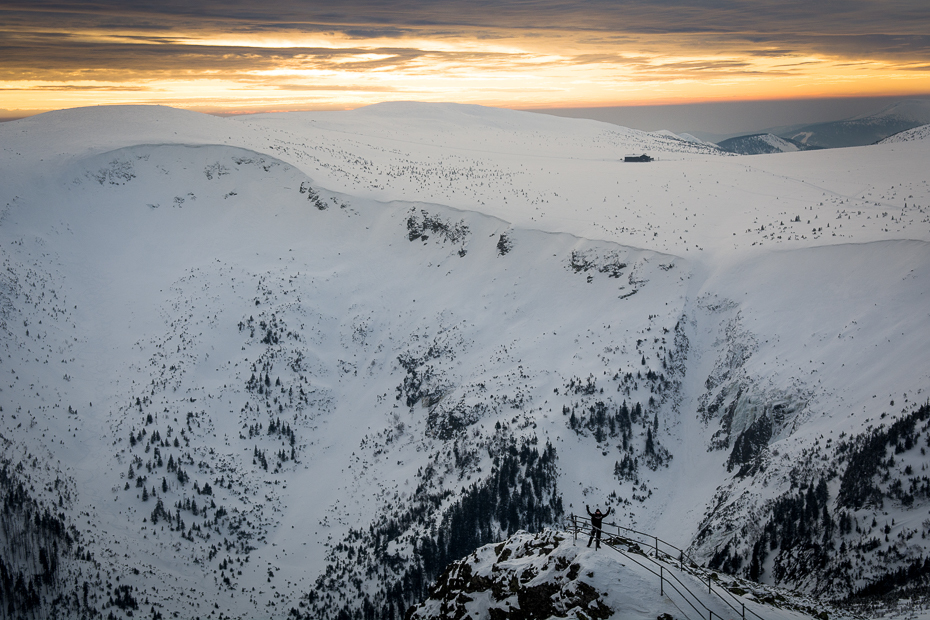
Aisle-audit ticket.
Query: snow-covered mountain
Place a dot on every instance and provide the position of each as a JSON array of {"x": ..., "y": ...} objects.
[
  {"x": 917, "y": 133},
  {"x": 295, "y": 364},
  {"x": 913, "y": 110},
  {"x": 863, "y": 129},
  {"x": 687, "y": 137},
  {"x": 758, "y": 144}
]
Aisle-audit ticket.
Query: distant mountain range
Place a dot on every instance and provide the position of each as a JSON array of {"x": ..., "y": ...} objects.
[
  {"x": 856, "y": 131},
  {"x": 866, "y": 129}
]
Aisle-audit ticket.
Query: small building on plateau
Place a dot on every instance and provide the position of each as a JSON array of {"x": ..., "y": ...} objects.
[{"x": 642, "y": 157}]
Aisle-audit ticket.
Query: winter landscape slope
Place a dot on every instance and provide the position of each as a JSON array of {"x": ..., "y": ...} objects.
[
  {"x": 298, "y": 363},
  {"x": 917, "y": 133}
]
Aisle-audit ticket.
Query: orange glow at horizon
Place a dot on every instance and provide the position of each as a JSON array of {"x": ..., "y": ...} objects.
[{"x": 254, "y": 73}]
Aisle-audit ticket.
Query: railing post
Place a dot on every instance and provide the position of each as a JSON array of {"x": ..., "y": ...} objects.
[
  {"x": 574, "y": 529},
  {"x": 657, "y": 546},
  {"x": 661, "y": 581},
  {"x": 744, "y": 611},
  {"x": 708, "y": 585}
]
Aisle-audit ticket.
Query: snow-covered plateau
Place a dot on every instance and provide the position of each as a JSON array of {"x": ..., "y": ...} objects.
[{"x": 295, "y": 365}]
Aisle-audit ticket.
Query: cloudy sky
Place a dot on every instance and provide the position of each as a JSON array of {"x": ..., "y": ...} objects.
[{"x": 235, "y": 56}]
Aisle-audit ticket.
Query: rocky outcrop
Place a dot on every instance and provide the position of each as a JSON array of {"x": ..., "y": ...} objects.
[{"x": 527, "y": 577}]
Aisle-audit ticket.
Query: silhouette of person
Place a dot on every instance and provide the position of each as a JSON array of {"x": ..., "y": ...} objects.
[{"x": 596, "y": 518}]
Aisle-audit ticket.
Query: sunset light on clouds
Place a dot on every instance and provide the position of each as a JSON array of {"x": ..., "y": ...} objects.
[{"x": 288, "y": 55}]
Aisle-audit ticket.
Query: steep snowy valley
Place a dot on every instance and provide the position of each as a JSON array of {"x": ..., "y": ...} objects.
[{"x": 296, "y": 364}]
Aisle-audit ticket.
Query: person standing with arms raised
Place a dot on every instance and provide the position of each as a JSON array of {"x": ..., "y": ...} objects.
[{"x": 596, "y": 518}]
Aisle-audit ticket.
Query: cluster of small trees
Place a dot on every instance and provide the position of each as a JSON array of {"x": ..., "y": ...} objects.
[
  {"x": 605, "y": 422},
  {"x": 261, "y": 385},
  {"x": 912, "y": 579},
  {"x": 34, "y": 543},
  {"x": 272, "y": 332},
  {"x": 868, "y": 457},
  {"x": 520, "y": 493},
  {"x": 445, "y": 422},
  {"x": 804, "y": 533},
  {"x": 627, "y": 468},
  {"x": 504, "y": 244},
  {"x": 258, "y": 458},
  {"x": 275, "y": 427}
]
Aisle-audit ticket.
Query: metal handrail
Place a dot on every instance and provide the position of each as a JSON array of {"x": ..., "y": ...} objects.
[
  {"x": 682, "y": 556},
  {"x": 662, "y": 577},
  {"x": 690, "y": 567}
]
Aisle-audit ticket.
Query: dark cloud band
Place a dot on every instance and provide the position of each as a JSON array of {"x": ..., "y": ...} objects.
[
  {"x": 368, "y": 18},
  {"x": 118, "y": 41}
]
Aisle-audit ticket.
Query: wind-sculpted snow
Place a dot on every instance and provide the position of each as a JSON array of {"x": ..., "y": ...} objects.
[{"x": 304, "y": 361}]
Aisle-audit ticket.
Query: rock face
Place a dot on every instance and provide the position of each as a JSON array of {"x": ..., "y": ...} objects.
[{"x": 524, "y": 578}]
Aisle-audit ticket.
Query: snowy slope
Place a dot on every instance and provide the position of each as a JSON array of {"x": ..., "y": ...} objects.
[
  {"x": 681, "y": 136},
  {"x": 689, "y": 138},
  {"x": 343, "y": 323},
  {"x": 758, "y": 144},
  {"x": 917, "y": 133}
]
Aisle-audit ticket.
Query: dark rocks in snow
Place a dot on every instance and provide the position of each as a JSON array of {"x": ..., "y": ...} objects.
[
  {"x": 749, "y": 445},
  {"x": 504, "y": 244},
  {"x": 421, "y": 225},
  {"x": 523, "y": 578}
]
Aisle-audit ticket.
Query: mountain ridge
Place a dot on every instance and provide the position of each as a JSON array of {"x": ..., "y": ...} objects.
[
  {"x": 863, "y": 129},
  {"x": 757, "y": 144}
]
